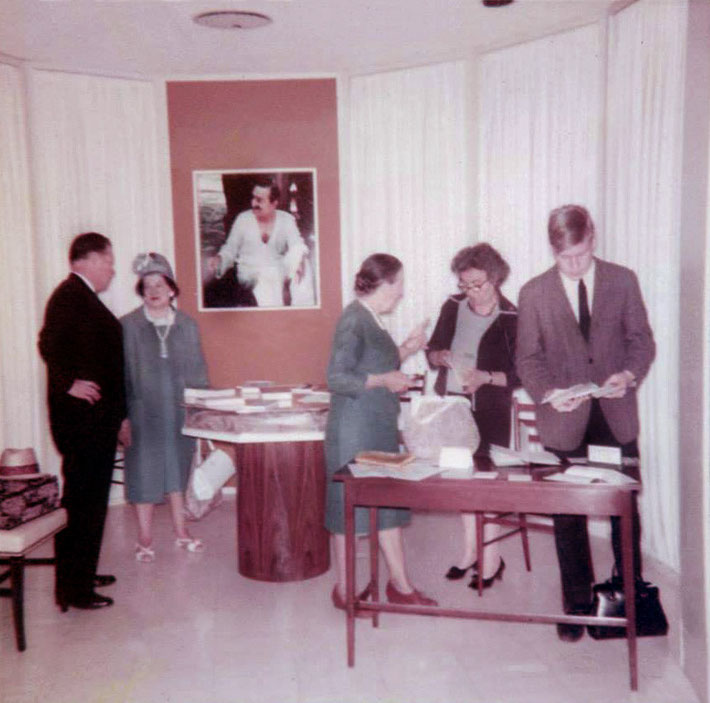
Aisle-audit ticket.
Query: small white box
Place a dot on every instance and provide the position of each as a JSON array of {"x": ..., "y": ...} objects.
[
  {"x": 597, "y": 454},
  {"x": 455, "y": 458}
]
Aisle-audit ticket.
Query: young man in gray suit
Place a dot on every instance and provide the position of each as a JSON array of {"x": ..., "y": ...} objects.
[{"x": 583, "y": 320}]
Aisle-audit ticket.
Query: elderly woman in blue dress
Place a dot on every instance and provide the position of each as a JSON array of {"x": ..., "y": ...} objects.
[
  {"x": 163, "y": 356},
  {"x": 365, "y": 382}
]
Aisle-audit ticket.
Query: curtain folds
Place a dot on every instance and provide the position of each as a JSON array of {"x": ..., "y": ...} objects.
[
  {"x": 644, "y": 146},
  {"x": 540, "y": 115},
  {"x": 20, "y": 413},
  {"x": 92, "y": 161},
  {"x": 407, "y": 184}
]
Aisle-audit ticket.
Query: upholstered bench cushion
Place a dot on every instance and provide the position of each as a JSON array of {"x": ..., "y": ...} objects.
[{"x": 18, "y": 540}]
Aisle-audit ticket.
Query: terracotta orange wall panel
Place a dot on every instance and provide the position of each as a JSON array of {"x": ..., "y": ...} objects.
[{"x": 281, "y": 124}]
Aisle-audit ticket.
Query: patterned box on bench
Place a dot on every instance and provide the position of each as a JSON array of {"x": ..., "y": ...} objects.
[{"x": 24, "y": 498}]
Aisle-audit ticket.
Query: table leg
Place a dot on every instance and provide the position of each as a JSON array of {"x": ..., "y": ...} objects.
[
  {"x": 627, "y": 568},
  {"x": 374, "y": 564},
  {"x": 17, "y": 570},
  {"x": 479, "y": 550},
  {"x": 350, "y": 572}
]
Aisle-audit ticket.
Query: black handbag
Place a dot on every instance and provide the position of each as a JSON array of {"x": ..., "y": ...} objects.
[{"x": 609, "y": 601}]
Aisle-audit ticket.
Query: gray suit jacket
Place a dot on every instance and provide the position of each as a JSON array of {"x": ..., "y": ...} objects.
[{"x": 552, "y": 353}]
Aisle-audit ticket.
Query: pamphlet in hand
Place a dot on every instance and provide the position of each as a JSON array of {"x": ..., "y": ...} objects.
[{"x": 580, "y": 390}]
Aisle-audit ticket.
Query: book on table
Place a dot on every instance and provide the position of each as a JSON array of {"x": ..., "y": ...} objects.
[{"x": 377, "y": 458}]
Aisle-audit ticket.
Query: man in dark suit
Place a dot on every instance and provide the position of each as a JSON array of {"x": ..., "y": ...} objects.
[
  {"x": 583, "y": 320},
  {"x": 82, "y": 346}
]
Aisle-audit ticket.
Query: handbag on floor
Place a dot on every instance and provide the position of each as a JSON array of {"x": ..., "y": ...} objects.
[
  {"x": 609, "y": 601},
  {"x": 207, "y": 476}
]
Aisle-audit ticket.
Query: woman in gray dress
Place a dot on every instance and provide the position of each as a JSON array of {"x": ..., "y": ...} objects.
[
  {"x": 163, "y": 356},
  {"x": 365, "y": 382}
]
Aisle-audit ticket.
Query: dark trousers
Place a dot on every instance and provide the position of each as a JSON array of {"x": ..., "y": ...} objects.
[
  {"x": 571, "y": 535},
  {"x": 87, "y": 470}
]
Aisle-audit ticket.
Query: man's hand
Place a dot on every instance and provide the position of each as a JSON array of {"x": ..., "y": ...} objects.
[
  {"x": 213, "y": 264},
  {"x": 300, "y": 271},
  {"x": 565, "y": 406},
  {"x": 85, "y": 390},
  {"x": 621, "y": 381},
  {"x": 124, "y": 434}
]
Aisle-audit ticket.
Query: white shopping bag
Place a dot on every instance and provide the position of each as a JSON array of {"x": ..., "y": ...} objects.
[{"x": 212, "y": 473}]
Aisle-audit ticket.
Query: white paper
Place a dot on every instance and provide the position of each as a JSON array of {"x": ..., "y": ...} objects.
[{"x": 193, "y": 394}]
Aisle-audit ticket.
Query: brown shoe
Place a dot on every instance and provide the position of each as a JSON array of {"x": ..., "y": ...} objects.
[
  {"x": 339, "y": 603},
  {"x": 413, "y": 598}
]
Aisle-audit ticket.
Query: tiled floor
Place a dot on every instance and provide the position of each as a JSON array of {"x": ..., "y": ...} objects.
[{"x": 189, "y": 629}]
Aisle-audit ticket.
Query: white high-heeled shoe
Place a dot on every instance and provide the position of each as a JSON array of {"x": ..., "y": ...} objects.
[{"x": 191, "y": 544}]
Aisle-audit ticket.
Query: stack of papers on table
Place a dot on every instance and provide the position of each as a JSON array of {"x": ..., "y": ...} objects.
[
  {"x": 502, "y": 456},
  {"x": 591, "y": 474},
  {"x": 414, "y": 471},
  {"x": 192, "y": 395}
]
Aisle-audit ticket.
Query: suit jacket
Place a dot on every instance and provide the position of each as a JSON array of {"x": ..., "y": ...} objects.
[
  {"x": 552, "y": 353},
  {"x": 81, "y": 339}
]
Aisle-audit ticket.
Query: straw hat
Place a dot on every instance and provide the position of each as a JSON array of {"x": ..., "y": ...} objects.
[{"x": 14, "y": 462}]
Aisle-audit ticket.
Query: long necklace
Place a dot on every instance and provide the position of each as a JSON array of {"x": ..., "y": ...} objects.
[{"x": 162, "y": 336}]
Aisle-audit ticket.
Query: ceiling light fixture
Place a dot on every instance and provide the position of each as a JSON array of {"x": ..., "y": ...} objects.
[
  {"x": 496, "y": 3},
  {"x": 232, "y": 19}
]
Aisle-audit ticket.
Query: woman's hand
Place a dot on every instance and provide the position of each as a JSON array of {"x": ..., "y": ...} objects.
[
  {"x": 441, "y": 357},
  {"x": 473, "y": 379},
  {"x": 415, "y": 341},
  {"x": 393, "y": 381}
]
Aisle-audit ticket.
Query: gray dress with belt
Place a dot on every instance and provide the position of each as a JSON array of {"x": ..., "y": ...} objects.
[
  {"x": 360, "y": 418},
  {"x": 158, "y": 460}
]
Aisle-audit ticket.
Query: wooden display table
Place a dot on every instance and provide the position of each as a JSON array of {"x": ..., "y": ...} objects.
[
  {"x": 471, "y": 495},
  {"x": 281, "y": 495}
]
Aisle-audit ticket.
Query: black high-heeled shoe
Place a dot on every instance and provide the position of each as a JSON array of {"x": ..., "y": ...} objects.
[
  {"x": 487, "y": 583},
  {"x": 455, "y": 573}
]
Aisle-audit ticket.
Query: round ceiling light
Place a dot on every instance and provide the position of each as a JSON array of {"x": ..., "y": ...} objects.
[{"x": 232, "y": 19}]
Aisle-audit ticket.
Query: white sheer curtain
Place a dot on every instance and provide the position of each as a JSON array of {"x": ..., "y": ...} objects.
[
  {"x": 20, "y": 413},
  {"x": 406, "y": 183},
  {"x": 96, "y": 166},
  {"x": 644, "y": 145},
  {"x": 540, "y": 117}
]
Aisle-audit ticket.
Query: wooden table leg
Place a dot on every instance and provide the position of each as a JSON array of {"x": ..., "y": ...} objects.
[
  {"x": 350, "y": 572},
  {"x": 627, "y": 567},
  {"x": 479, "y": 550},
  {"x": 17, "y": 572},
  {"x": 374, "y": 565}
]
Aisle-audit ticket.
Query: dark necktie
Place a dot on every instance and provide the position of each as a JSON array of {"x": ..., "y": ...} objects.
[{"x": 585, "y": 319}]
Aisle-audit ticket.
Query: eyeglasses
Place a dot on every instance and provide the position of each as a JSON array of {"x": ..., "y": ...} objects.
[{"x": 475, "y": 287}]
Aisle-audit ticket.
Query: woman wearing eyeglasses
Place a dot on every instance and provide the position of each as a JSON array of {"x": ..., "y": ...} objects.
[{"x": 473, "y": 346}]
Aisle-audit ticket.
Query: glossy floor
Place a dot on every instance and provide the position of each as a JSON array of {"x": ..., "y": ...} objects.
[{"x": 188, "y": 629}]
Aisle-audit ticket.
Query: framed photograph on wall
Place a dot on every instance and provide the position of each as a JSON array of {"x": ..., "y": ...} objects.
[{"x": 257, "y": 239}]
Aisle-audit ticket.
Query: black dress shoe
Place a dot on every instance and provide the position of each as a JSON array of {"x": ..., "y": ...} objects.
[
  {"x": 572, "y": 633},
  {"x": 93, "y": 602},
  {"x": 455, "y": 573},
  {"x": 487, "y": 583},
  {"x": 104, "y": 580}
]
